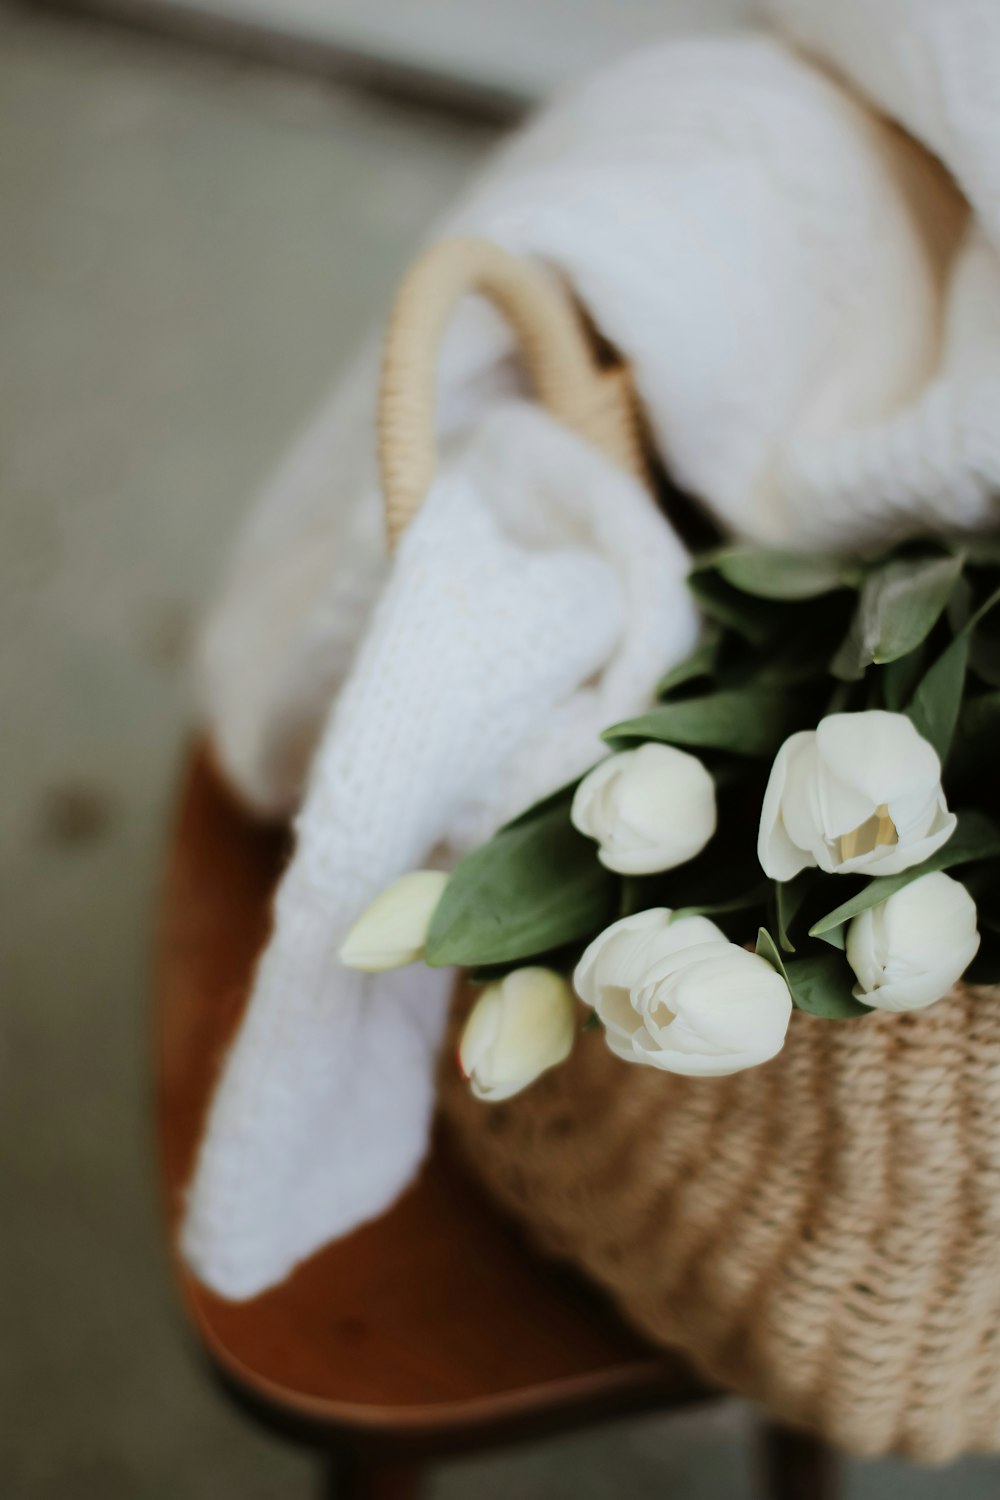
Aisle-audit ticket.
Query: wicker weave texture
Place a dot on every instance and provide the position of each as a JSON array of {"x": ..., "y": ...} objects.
[
  {"x": 590, "y": 394},
  {"x": 821, "y": 1233}
]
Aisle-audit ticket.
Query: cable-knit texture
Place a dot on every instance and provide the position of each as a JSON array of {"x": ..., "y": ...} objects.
[
  {"x": 535, "y": 599},
  {"x": 818, "y": 1233}
]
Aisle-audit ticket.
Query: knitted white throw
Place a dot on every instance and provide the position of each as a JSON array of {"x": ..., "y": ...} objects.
[
  {"x": 534, "y": 600},
  {"x": 813, "y": 319}
]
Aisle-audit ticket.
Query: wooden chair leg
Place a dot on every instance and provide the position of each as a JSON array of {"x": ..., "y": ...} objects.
[
  {"x": 365, "y": 1476},
  {"x": 797, "y": 1466}
]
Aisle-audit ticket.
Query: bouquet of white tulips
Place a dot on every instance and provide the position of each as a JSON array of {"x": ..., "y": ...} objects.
[{"x": 807, "y": 820}]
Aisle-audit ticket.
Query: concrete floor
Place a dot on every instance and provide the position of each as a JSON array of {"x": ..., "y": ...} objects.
[{"x": 190, "y": 247}]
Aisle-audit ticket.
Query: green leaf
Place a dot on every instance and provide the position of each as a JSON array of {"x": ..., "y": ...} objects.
[
  {"x": 900, "y": 678},
  {"x": 934, "y": 707},
  {"x": 852, "y": 656},
  {"x": 535, "y": 886},
  {"x": 899, "y": 606},
  {"x": 701, "y": 663},
  {"x": 820, "y": 984},
  {"x": 788, "y": 898},
  {"x": 835, "y": 938},
  {"x": 769, "y": 573},
  {"x": 757, "y": 620},
  {"x": 744, "y": 721},
  {"x": 933, "y": 710},
  {"x": 767, "y": 948},
  {"x": 976, "y": 837},
  {"x": 960, "y": 605},
  {"x": 981, "y": 551}
]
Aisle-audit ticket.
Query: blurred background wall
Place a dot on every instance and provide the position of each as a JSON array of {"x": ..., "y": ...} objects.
[{"x": 513, "y": 52}]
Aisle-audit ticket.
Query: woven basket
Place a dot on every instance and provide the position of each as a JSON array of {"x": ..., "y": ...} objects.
[{"x": 821, "y": 1233}]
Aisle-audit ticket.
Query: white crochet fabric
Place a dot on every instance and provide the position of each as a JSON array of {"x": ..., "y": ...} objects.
[
  {"x": 813, "y": 319},
  {"x": 533, "y": 568}
]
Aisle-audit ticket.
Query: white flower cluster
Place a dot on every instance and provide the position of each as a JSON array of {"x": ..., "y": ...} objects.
[
  {"x": 648, "y": 809},
  {"x": 677, "y": 994},
  {"x": 860, "y": 794}
]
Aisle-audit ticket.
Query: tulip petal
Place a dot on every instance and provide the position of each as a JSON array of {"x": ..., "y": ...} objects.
[
  {"x": 479, "y": 1035},
  {"x": 588, "y": 812},
  {"x": 910, "y": 949},
  {"x": 780, "y": 856},
  {"x": 392, "y": 931},
  {"x": 648, "y": 809},
  {"x": 878, "y": 754},
  {"x": 536, "y": 1025},
  {"x": 607, "y": 962},
  {"x": 840, "y": 809},
  {"x": 728, "y": 1002},
  {"x": 678, "y": 996},
  {"x": 917, "y": 992},
  {"x": 517, "y": 1030},
  {"x": 668, "y": 797},
  {"x": 863, "y": 945}
]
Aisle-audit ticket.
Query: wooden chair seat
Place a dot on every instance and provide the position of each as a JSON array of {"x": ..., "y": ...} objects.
[{"x": 431, "y": 1330}]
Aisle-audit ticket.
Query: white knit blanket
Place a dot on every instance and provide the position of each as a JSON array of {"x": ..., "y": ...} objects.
[{"x": 811, "y": 309}]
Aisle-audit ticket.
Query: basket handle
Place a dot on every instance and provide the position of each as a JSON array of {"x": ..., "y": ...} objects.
[{"x": 594, "y": 399}]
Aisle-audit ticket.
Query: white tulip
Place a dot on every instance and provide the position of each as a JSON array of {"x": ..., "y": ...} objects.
[
  {"x": 518, "y": 1028},
  {"x": 910, "y": 949},
  {"x": 393, "y": 930},
  {"x": 862, "y": 792},
  {"x": 648, "y": 809},
  {"x": 678, "y": 995}
]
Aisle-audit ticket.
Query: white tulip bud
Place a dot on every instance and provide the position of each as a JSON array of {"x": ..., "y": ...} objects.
[
  {"x": 909, "y": 950},
  {"x": 861, "y": 792},
  {"x": 518, "y": 1028},
  {"x": 393, "y": 930},
  {"x": 676, "y": 994},
  {"x": 648, "y": 809}
]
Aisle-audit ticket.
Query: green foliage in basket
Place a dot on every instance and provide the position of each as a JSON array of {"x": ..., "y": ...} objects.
[
  {"x": 790, "y": 638},
  {"x": 818, "y": 680}
]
